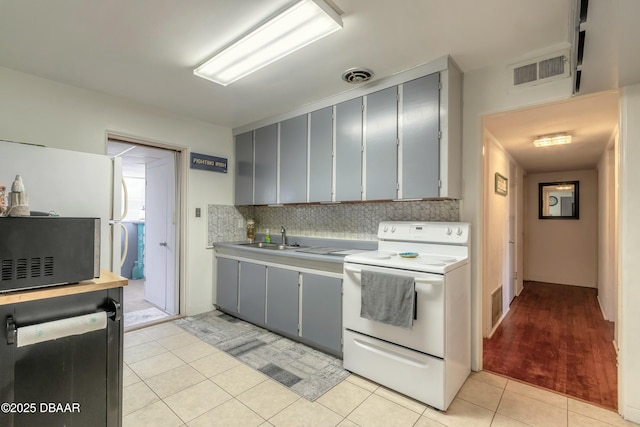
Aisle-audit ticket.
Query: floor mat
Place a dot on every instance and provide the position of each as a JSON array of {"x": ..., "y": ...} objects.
[{"x": 304, "y": 370}]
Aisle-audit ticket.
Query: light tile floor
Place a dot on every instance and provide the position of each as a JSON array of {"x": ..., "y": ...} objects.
[{"x": 173, "y": 379}]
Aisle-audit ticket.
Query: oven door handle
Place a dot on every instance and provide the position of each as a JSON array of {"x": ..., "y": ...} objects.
[{"x": 437, "y": 281}]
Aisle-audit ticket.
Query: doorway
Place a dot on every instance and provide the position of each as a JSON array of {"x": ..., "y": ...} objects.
[
  {"x": 551, "y": 281},
  {"x": 151, "y": 226}
]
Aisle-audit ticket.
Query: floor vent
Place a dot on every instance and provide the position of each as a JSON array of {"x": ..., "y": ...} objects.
[
  {"x": 539, "y": 70},
  {"x": 496, "y": 306}
]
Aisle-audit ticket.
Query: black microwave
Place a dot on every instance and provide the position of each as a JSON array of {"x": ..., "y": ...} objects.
[{"x": 46, "y": 251}]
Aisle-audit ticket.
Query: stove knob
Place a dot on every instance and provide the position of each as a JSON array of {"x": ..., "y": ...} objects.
[
  {"x": 459, "y": 231},
  {"x": 393, "y": 229},
  {"x": 449, "y": 231},
  {"x": 385, "y": 229}
]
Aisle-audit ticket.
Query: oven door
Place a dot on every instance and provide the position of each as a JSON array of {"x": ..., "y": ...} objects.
[{"x": 427, "y": 332}]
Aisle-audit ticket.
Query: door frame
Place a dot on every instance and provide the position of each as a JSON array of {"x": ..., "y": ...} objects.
[{"x": 182, "y": 168}]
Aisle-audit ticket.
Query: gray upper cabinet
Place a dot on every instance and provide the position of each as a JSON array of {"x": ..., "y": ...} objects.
[
  {"x": 403, "y": 142},
  {"x": 266, "y": 164},
  {"x": 293, "y": 160},
  {"x": 321, "y": 155},
  {"x": 381, "y": 144},
  {"x": 349, "y": 150},
  {"x": 420, "y": 137},
  {"x": 244, "y": 169}
]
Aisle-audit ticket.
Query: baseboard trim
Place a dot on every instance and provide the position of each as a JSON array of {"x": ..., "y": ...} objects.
[
  {"x": 495, "y": 327},
  {"x": 604, "y": 315}
]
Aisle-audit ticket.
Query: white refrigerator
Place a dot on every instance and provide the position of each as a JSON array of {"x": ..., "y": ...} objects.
[{"x": 70, "y": 184}]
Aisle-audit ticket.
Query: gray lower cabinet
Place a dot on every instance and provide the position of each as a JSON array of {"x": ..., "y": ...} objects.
[
  {"x": 227, "y": 284},
  {"x": 252, "y": 292},
  {"x": 271, "y": 297},
  {"x": 282, "y": 300},
  {"x": 244, "y": 169},
  {"x": 266, "y": 165},
  {"x": 322, "y": 311}
]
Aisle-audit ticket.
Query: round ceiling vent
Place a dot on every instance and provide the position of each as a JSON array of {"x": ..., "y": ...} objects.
[{"x": 357, "y": 75}]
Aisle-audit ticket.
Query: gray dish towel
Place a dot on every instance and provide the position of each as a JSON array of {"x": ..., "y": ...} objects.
[{"x": 387, "y": 298}]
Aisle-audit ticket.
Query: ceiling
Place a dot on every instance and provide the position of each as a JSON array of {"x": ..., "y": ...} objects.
[
  {"x": 145, "y": 50},
  {"x": 591, "y": 120},
  {"x": 135, "y": 157}
]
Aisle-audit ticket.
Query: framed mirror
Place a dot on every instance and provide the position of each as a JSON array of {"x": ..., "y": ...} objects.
[{"x": 558, "y": 200}]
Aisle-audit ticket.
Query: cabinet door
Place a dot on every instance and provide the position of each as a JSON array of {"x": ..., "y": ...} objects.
[
  {"x": 83, "y": 370},
  {"x": 244, "y": 169},
  {"x": 266, "y": 159},
  {"x": 227, "y": 284},
  {"x": 293, "y": 160},
  {"x": 321, "y": 154},
  {"x": 252, "y": 291},
  {"x": 282, "y": 300},
  {"x": 322, "y": 311},
  {"x": 420, "y": 142},
  {"x": 382, "y": 144},
  {"x": 349, "y": 150}
]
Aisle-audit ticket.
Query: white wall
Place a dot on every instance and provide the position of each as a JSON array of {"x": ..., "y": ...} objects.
[
  {"x": 497, "y": 249},
  {"x": 43, "y": 112},
  {"x": 629, "y": 254},
  {"x": 607, "y": 243},
  {"x": 485, "y": 92},
  {"x": 563, "y": 251}
]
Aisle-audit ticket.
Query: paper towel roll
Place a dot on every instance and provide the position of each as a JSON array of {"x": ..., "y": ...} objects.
[{"x": 78, "y": 325}]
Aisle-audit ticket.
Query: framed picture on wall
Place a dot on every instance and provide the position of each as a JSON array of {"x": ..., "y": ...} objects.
[
  {"x": 559, "y": 200},
  {"x": 501, "y": 185}
]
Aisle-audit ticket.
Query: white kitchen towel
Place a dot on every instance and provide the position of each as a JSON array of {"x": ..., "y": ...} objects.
[
  {"x": 78, "y": 325},
  {"x": 387, "y": 298}
]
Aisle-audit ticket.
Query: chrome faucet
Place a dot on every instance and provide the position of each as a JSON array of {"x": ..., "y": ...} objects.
[{"x": 283, "y": 235}]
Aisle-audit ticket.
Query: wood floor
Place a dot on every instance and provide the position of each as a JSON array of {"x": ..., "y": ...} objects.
[{"x": 555, "y": 337}]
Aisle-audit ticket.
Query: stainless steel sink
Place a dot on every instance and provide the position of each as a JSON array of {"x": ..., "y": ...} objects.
[{"x": 271, "y": 246}]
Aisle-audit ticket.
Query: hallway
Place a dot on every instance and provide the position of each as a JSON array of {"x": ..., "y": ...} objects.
[{"x": 555, "y": 337}]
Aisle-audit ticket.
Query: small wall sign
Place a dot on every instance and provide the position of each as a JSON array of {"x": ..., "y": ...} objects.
[
  {"x": 501, "y": 185},
  {"x": 208, "y": 163}
]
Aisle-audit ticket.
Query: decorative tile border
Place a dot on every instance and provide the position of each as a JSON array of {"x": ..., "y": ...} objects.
[{"x": 356, "y": 221}]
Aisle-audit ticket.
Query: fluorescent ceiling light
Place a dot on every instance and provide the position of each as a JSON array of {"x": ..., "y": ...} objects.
[
  {"x": 294, "y": 28},
  {"x": 552, "y": 140}
]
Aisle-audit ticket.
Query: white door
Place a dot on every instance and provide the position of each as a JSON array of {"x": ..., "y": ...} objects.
[
  {"x": 117, "y": 210},
  {"x": 511, "y": 280},
  {"x": 160, "y": 234}
]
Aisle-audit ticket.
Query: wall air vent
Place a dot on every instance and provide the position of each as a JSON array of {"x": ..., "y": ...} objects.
[{"x": 539, "y": 70}]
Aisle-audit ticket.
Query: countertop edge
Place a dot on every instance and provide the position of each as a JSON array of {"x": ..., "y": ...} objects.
[
  {"x": 107, "y": 280},
  {"x": 294, "y": 253},
  {"x": 335, "y": 259}
]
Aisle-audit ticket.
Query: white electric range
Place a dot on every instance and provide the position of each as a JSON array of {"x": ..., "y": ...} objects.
[{"x": 431, "y": 359}]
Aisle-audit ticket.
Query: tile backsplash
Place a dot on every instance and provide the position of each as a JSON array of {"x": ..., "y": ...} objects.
[{"x": 357, "y": 221}]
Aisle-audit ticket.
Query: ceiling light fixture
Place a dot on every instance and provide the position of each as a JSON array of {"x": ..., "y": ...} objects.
[
  {"x": 545, "y": 141},
  {"x": 296, "y": 27}
]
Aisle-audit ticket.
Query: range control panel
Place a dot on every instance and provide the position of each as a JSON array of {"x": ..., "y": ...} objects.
[{"x": 454, "y": 233}]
